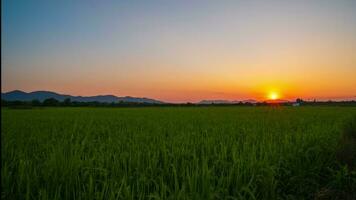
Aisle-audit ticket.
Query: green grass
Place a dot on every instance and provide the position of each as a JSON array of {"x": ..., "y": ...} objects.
[{"x": 172, "y": 153}]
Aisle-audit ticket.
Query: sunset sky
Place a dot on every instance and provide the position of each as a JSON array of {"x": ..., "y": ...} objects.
[{"x": 180, "y": 51}]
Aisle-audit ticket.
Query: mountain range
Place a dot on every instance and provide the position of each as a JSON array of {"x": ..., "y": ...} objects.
[
  {"x": 18, "y": 95},
  {"x": 226, "y": 101}
]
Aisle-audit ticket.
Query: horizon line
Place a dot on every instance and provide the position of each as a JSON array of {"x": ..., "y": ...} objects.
[{"x": 320, "y": 99}]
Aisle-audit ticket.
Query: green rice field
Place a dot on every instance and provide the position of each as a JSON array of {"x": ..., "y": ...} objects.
[{"x": 175, "y": 153}]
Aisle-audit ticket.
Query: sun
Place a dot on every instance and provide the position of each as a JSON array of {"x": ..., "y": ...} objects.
[{"x": 273, "y": 95}]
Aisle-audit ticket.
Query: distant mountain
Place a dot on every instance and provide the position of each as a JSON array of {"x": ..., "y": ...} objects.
[
  {"x": 249, "y": 101},
  {"x": 226, "y": 101},
  {"x": 215, "y": 102},
  {"x": 18, "y": 95}
]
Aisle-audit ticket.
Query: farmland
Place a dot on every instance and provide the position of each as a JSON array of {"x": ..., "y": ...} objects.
[{"x": 174, "y": 153}]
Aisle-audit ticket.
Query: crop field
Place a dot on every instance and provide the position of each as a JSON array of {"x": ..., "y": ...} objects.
[{"x": 176, "y": 153}]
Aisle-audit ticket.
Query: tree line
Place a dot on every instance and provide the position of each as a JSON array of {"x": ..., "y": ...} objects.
[{"x": 52, "y": 102}]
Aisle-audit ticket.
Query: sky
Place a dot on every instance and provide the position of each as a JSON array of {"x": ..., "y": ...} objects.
[{"x": 180, "y": 51}]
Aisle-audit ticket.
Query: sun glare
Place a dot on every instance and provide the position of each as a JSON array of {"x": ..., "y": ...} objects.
[{"x": 273, "y": 96}]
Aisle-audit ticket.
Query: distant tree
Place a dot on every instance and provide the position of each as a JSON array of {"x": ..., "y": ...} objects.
[
  {"x": 51, "y": 102},
  {"x": 17, "y": 103},
  {"x": 299, "y": 100},
  {"x": 4, "y": 102},
  {"x": 35, "y": 102},
  {"x": 67, "y": 102}
]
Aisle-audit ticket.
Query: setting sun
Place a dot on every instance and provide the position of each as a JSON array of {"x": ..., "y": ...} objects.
[{"x": 273, "y": 96}]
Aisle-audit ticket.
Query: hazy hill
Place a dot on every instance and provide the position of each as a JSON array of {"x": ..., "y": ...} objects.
[
  {"x": 226, "y": 101},
  {"x": 18, "y": 95}
]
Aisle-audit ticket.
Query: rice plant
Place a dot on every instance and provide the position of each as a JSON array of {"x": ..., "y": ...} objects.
[{"x": 172, "y": 152}]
